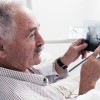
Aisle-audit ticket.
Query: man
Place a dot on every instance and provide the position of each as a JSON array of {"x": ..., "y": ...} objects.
[{"x": 20, "y": 49}]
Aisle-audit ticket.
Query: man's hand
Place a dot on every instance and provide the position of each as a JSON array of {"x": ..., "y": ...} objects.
[
  {"x": 75, "y": 50},
  {"x": 90, "y": 72}
]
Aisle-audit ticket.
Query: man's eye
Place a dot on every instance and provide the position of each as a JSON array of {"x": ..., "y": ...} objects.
[{"x": 32, "y": 35}]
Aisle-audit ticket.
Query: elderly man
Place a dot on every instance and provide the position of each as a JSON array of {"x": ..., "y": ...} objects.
[{"x": 20, "y": 48}]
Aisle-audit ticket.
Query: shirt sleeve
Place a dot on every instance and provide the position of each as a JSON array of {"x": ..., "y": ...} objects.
[
  {"x": 48, "y": 69},
  {"x": 68, "y": 87}
]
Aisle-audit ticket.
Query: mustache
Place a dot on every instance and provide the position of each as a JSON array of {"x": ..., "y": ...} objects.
[{"x": 38, "y": 49}]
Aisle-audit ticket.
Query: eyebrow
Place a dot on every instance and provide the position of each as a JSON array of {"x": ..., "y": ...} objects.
[{"x": 34, "y": 28}]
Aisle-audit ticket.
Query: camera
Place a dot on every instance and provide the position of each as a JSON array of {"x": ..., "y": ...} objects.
[{"x": 92, "y": 38}]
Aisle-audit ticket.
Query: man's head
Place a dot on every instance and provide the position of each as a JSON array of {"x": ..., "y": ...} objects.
[{"x": 20, "y": 41}]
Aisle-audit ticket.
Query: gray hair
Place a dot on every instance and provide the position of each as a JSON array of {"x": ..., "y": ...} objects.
[{"x": 7, "y": 22}]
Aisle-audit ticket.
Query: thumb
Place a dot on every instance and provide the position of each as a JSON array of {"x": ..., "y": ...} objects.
[
  {"x": 82, "y": 46},
  {"x": 96, "y": 52}
]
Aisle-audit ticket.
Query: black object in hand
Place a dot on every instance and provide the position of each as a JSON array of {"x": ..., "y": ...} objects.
[{"x": 93, "y": 38}]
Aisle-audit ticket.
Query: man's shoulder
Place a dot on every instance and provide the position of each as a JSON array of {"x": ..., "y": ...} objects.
[{"x": 7, "y": 81}]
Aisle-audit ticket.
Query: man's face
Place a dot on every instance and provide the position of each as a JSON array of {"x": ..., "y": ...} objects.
[{"x": 25, "y": 49}]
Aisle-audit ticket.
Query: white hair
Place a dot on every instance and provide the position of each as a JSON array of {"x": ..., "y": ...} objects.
[{"x": 7, "y": 22}]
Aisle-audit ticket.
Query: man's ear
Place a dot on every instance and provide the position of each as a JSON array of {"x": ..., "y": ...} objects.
[{"x": 2, "y": 51}]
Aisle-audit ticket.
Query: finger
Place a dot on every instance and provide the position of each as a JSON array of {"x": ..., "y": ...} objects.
[
  {"x": 96, "y": 52},
  {"x": 82, "y": 46},
  {"x": 84, "y": 54},
  {"x": 98, "y": 58},
  {"x": 77, "y": 42}
]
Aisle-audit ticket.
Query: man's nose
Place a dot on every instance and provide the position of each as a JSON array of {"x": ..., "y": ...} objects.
[{"x": 40, "y": 40}]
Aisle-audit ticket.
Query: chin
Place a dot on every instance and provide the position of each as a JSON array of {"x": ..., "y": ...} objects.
[{"x": 37, "y": 61}]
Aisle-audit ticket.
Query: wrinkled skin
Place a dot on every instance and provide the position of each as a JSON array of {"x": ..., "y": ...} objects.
[{"x": 74, "y": 51}]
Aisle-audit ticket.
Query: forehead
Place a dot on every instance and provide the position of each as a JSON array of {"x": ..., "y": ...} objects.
[{"x": 25, "y": 20}]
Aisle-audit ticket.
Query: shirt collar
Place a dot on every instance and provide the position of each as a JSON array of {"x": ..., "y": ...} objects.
[{"x": 28, "y": 77}]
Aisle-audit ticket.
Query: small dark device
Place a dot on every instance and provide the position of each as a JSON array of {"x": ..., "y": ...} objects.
[
  {"x": 93, "y": 41},
  {"x": 93, "y": 38}
]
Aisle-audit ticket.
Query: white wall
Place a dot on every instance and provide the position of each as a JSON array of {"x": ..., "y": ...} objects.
[{"x": 57, "y": 16}]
